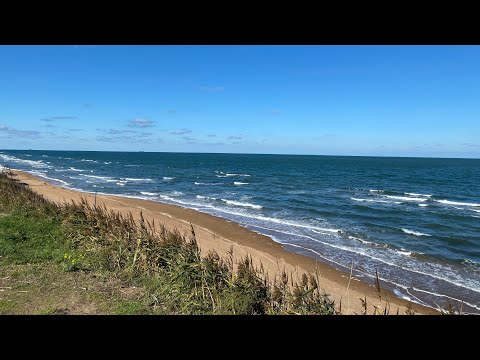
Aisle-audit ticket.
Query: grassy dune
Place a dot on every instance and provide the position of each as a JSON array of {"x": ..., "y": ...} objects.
[{"x": 80, "y": 259}]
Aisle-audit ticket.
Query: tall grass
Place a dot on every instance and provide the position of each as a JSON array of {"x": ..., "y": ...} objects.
[{"x": 168, "y": 264}]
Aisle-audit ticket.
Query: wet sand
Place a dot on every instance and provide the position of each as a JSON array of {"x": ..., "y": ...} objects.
[{"x": 214, "y": 233}]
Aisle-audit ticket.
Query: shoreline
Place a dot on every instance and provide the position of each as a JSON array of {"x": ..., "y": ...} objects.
[{"x": 221, "y": 235}]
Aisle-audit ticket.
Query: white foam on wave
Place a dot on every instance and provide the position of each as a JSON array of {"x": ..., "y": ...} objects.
[
  {"x": 448, "y": 202},
  {"x": 136, "y": 179},
  {"x": 449, "y": 297},
  {"x": 187, "y": 204},
  {"x": 405, "y": 198},
  {"x": 231, "y": 174},
  {"x": 244, "y": 204},
  {"x": 278, "y": 221},
  {"x": 376, "y": 201},
  {"x": 402, "y": 295},
  {"x": 238, "y": 183},
  {"x": 361, "y": 240},
  {"x": 422, "y": 205},
  {"x": 119, "y": 184},
  {"x": 415, "y": 194},
  {"x": 205, "y": 197},
  {"x": 98, "y": 177},
  {"x": 416, "y": 233},
  {"x": 221, "y": 176},
  {"x": 404, "y": 252},
  {"x": 478, "y": 211},
  {"x": 75, "y": 169},
  {"x": 375, "y": 191},
  {"x": 321, "y": 230},
  {"x": 37, "y": 173},
  {"x": 470, "y": 262},
  {"x": 88, "y": 160},
  {"x": 168, "y": 178},
  {"x": 107, "y": 162},
  {"x": 35, "y": 164},
  {"x": 148, "y": 193}
]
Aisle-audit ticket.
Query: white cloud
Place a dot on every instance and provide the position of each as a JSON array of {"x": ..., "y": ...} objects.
[
  {"x": 181, "y": 132},
  {"x": 55, "y": 118},
  {"x": 141, "y": 123},
  {"x": 12, "y": 132}
]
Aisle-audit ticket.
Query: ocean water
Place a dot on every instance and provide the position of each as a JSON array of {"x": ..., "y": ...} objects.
[{"x": 414, "y": 220}]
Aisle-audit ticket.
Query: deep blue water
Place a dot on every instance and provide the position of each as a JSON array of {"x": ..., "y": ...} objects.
[{"x": 415, "y": 220}]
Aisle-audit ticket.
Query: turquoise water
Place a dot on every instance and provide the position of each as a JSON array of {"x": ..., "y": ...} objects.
[{"x": 415, "y": 220}]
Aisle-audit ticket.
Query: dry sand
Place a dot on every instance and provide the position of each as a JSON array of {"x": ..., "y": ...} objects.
[{"x": 222, "y": 235}]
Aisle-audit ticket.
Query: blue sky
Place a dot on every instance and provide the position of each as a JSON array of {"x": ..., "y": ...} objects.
[{"x": 332, "y": 100}]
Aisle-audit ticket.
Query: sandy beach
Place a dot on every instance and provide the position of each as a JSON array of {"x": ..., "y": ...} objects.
[{"x": 214, "y": 233}]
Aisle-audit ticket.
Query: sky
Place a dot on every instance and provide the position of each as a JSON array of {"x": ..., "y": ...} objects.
[{"x": 325, "y": 100}]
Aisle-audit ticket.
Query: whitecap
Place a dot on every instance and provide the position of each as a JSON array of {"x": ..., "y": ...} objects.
[
  {"x": 97, "y": 177},
  {"x": 416, "y": 233},
  {"x": 361, "y": 240},
  {"x": 244, "y": 204},
  {"x": 32, "y": 163},
  {"x": 75, "y": 169},
  {"x": 239, "y": 183},
  {"x": 136, "y": 179},
  {"x": 404, "y": 252},
  {"x": 404, "y": 198},
  {"x": 415, "y": 194},
  {"x": 148, "y": 193},
  {"x": 205, "y": 197},
  {"x": 338, "y": 231},
  {"x": 168, "y": 178},
  {"x": 373, "y": 200},
  {"x": 448, "y": 202}
]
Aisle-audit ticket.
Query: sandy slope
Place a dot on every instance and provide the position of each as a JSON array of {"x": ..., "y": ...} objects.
[{"x": 222, "y": 235}]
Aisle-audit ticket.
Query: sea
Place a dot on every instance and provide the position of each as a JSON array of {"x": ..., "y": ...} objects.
[{"x": 413, "y": 221}]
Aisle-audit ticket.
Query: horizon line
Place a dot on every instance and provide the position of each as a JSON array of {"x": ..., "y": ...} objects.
[{"x": 227, "y": 153}]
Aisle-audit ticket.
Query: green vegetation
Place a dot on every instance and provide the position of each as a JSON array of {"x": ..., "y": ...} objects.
[{"x": 78, "y": 258}]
